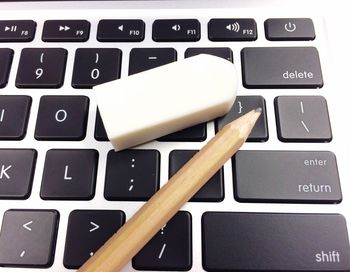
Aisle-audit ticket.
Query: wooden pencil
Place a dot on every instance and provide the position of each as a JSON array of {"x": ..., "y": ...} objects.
[{"x": 164, "y": 204}]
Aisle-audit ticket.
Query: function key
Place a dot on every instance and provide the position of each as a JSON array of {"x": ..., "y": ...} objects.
[
  {"x": 17, "y": 31},
  {"x": 178, "y": 30},
  {"x": 6, "y": 56},
  {"x": 121, "y": 31},
  {"x": 289, "y": 29},
  {"x": 66, "y": 31},
  {"x": 232, "y": 30},
  {"x": 41, "y": 68}
]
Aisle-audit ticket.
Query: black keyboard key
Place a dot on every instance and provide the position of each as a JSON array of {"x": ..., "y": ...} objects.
[
  {"x": 121, "y": 31},
  {"x": 132, "y": 175},
  {"x": 69, "y": 174},
  {"x": 170, "y": 248},
  {"x": 6, "y": 56},
  {"x": 17, "y": 168},
  {"x": 274, "y": 242},
  {"x": 286, "y": 176},
  {"x": 28, "y": 238},
  {"x": 242, "y": 105},
  {"x": 197, "y": 133},
  {"x": 93, "y": 66},
  {"x": 17, "y": 30},
  {"x": 142, "y": 59},
  {"x": 232, "y": 30},
  {"x": 66, "y": 31},
  {"x": 222, "y": 52},
  {"x": 281, "y": 67},
  {"x": 41, "y": 68},
  {"x": 176, "y": 30},
  {"x": 302, "y": 119},
  {"x": 100, "y": 131},
  {"x": 289, "y": 29},
  {"x": 62, "y": 118},
  {"x": 14, "y": 114},
  {"x": 87, "y": 231},
  {"x": 212, "y": 191}
]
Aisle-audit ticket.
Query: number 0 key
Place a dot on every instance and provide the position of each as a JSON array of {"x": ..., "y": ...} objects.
[{"x": 41, "y": 68}]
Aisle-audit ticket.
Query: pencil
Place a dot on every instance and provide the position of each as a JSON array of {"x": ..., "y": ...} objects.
[{"x": 164, "y": 204}]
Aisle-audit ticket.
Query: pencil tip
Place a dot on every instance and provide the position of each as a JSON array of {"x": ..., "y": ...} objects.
[{"x": 258, "y": 109}]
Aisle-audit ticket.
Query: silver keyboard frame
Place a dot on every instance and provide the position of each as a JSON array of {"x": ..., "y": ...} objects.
[{"x": 148, "y": 11}]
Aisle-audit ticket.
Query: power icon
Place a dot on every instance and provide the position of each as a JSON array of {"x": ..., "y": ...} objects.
[{"x": 290, "y": 27}]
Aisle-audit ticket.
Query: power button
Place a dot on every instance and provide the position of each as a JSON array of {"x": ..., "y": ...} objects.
[{"x": 289, "y": 29}]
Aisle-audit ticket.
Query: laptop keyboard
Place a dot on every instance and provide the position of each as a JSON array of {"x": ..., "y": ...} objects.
[{"x": 278, "y": 205}]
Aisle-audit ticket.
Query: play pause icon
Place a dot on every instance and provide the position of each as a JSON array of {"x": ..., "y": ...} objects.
[{"x": 11, "y": 28}]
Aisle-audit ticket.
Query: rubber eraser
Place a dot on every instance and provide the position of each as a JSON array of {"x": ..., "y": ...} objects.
[{"x": 144, "y": 106}]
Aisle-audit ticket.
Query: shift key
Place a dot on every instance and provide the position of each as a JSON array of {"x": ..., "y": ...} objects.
[
  {"x": 274, "y": 242},
  {"x": 286, "y": 176},
  {"x": 281, "y": 67}
]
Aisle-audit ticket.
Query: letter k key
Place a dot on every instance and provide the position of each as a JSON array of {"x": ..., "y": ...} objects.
[
  {"x": 16, "y": 172},
  {"x": 3, "y": 172}
]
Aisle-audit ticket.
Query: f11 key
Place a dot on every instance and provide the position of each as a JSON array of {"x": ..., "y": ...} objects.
[{"x": 176, "y": 30}]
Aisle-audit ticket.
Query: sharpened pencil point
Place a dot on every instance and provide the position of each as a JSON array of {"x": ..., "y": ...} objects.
[{"x": 258, "y": 109}]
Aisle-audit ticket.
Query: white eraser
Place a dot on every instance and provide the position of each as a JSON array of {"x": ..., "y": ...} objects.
[{"x": 154, "y": 103}]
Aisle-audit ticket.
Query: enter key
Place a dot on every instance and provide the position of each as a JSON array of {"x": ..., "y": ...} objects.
[{"x": 286, "y": 176}]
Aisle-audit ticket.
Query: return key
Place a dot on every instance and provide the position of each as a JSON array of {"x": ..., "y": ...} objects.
[{"x": 286, "y": 176}]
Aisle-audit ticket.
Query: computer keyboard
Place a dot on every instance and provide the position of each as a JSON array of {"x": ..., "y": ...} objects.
[{"x": 280, "y": 204}]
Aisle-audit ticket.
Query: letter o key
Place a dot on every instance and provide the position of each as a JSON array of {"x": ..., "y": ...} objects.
[{"x": 61, "y": 115}]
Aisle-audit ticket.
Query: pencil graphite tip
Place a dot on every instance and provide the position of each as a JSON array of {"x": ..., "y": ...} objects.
[{"x": 247, "y": 122}]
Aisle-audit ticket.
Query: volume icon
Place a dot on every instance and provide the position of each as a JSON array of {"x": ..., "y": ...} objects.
[
  {"x": 176, "y": 27},
  {"x": 233, "y": 27}
]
